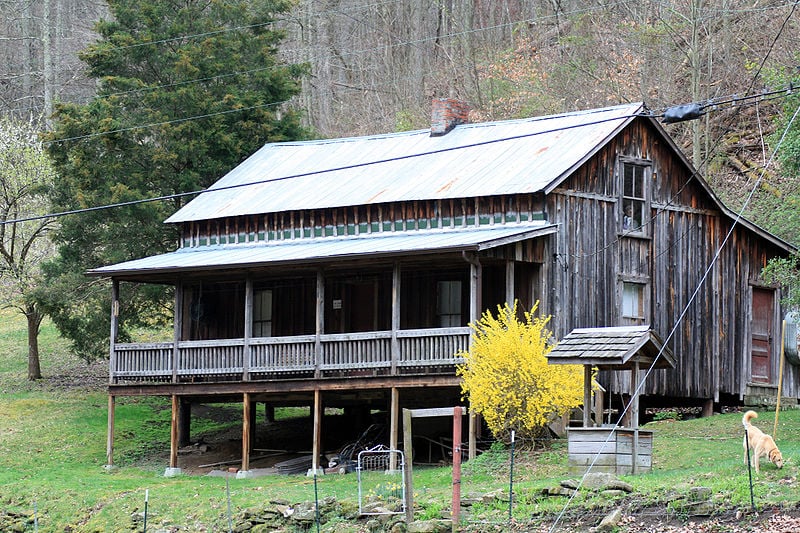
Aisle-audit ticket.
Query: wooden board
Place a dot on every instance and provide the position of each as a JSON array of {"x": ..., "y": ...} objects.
[{"x": 607, "y": 452}]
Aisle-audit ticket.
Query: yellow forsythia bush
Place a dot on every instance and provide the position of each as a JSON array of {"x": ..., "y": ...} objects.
[{"x": 506, "y": 376}]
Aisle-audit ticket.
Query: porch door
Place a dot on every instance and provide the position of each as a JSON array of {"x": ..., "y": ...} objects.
[
  {"x": 761, "y": 334},
  {"x": 362, "y": 306}
]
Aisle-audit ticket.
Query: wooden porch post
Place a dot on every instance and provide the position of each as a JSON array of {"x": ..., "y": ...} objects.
[
  {"x": 110, "y": 438},
  {"x": 510, "y": 295},
  {"x": 173, "y": 469},
  {"x": 317, "y": 444},
  {"x": 177, "y": 329},
  {"x": 393, "y": 429},
  {"x": 248, "y": 327},
  {"x": 395, "y": 318},
  {"x": 246, "y": 430},
  {"x": 112, "y": 359},
  {"x": 475, "y": 288},
  {"x": 320, "y": 323}
]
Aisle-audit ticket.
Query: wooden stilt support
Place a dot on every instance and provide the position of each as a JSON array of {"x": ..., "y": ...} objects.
[
  {"x": 393, "y": 427},
  {"x": 173, "y": 437},
  {"x": 173, "y": 469},
  {"x": 246, "y": 430},
  {"x": 316, "y": 448}
]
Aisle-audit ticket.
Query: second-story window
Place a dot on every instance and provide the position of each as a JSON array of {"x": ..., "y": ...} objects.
[{"x": 634, "y": 197}]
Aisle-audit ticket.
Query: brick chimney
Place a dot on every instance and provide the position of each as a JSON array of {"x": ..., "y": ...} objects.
[{"x": 446, "y": 114}]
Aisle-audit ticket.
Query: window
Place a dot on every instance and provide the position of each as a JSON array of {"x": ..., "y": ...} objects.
[
  {"x": 634, "y": 198},
  {"x": 633, "y": 300},
  {"x": 448, "y": 305},
  {"x": 262, "y": 313}
]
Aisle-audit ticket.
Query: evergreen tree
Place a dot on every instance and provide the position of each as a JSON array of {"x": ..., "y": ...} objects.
[{"x": 186, "y": 90}]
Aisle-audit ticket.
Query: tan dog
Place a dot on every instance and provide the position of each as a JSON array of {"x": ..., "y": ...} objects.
[{"x": 761, "y": 443}]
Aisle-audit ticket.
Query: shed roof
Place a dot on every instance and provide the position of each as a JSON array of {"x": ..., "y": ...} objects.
[
  {"x": 287, "y": 252},
  {"x": 613, "y": 348},
  {"x": 490, "y": 158}
]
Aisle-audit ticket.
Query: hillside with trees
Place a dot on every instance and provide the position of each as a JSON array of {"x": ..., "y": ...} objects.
[{"x": 153, "y": 98}]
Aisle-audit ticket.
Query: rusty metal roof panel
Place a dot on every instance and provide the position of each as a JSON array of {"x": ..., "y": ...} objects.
[
  {"x": 329, "y": 249},
  {"x": 484, "y": 159}
]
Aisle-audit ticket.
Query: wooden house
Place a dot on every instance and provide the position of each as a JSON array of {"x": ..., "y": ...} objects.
[{"x": 345, "y": 272}]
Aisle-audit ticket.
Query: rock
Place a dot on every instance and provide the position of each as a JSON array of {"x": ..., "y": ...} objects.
[
  {"x": 495, "y": 495},
  {"x": 697, "y": 494},
  {"x": 618, "y": 484},
  {"x": 304, "y": 513},
  {"x": 610, "y": 522},
  {"x": 597, "y": 481},
  {"x": 558, "y": 491},
  {"x": 429, "y": 526},
  {"x": 613, "y": 493},
  {"x": 705, "y": 508},
  {"x": 570, "y": 484}
]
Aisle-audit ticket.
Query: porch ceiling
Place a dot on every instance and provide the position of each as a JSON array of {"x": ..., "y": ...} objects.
[{"x": 325, "y": 249}]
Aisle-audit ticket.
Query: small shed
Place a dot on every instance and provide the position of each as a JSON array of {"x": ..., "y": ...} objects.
[{"x": 633, "y": 348}]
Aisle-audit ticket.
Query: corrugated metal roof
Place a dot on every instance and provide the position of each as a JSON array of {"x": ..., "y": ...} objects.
[
  {"x": 612, "y": 347},
  {"x": 492, "y": 158},
  {"x": 328, "y": 248}
]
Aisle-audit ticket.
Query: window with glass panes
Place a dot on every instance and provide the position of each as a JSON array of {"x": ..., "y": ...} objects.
[{"x": 634, "y": 198}]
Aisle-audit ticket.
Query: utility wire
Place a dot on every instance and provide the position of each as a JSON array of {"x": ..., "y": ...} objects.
[
  {"x": 295, "y": 176},
  {"x": 318, "y": 172},
  {"x": 684, "y": 312},
  {"x": 637, "y": 392}
]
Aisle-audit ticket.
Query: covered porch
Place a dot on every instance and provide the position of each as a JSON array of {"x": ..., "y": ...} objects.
[
  {"x": 372, "y": 306},
  {"x": 311, "y": 320}
]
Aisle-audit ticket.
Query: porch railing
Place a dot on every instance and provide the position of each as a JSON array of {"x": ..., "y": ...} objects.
[{"x": 390, "y": 352}]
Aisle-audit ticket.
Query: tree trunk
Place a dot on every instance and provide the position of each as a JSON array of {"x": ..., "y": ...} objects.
[{"x": 34, "y": 318}]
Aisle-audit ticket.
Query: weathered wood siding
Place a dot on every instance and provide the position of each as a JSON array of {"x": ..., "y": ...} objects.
[{"x": 673, "y": 258}]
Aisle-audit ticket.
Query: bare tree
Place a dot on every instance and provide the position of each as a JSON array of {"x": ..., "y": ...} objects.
[
  {"x": 39, "y": 46},
  {"x": 25, "y": 178}
]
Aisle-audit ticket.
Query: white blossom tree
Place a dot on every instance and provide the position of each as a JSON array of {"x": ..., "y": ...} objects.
[{"x": 25, "y": 178}]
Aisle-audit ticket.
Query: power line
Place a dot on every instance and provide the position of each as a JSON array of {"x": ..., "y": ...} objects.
[
  {"x": 164, "y": 123},
  {"x": 318, "y": 172},
  {"x": 295, "y": 176},
  {"x": 702, "y": 281}
]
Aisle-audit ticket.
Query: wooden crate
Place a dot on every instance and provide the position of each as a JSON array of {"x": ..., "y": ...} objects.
[{"x": 614, "y": 453}]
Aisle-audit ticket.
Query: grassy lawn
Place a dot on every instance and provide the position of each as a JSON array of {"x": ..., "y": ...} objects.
[{"x": 53, "y": 439}]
